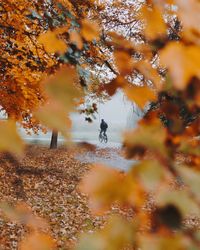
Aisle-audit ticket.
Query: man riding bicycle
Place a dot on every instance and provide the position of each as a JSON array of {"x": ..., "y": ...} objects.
[{"x": 103, "y": 127}]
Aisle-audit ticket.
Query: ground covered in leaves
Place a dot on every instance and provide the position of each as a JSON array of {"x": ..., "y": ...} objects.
[{"x": 47, "y": 180}]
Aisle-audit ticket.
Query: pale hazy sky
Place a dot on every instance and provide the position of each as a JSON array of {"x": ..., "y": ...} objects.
[{"x": 116, "y": 110}]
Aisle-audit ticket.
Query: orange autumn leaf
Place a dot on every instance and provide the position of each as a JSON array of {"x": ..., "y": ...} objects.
[
  {"x": 113, "y": 86},
  {"x": 63, "y": 87},
  {"x": 90, "y": 30},
  {"x": 150, "y": 73},
  {"x": 54, "y": 116},
  {"x": 52, "y": 43},
  {"x": 37, "y": 241},
  {"x": 154, "y": 23},
  {"x": 185, "y": 63},
  {"x": 124, "y": 62},
  {"x": 189, "y": 14},
  {"x": 76, "y": 39},
  {"x": 119, "y": 41},
  {"x": 9, "y": 138},
  {"x": 140, "y": 95},
  {"x": 101, "y": 185}
]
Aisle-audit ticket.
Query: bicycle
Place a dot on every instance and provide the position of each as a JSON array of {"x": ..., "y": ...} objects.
[{"x": 103, "y": 138}]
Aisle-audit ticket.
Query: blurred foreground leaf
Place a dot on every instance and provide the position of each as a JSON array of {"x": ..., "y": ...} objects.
[
  {"x": 154, "y": 22},
  {"x": 63, "y": 87},
  {"x": 9, "y": 139},
  {"x": 54, "y": 116},
  {"x": 22, "y": 214},
  {"x": 149, "y": 173},
  {"x": 140, "y": 95},
  {"x": 124, "y": 62},
  {"x": 185, "y": 61},
  {"x": 146, "y": 137},
  {"x": 52, "y": 43},
  {"x": 101, "y": 184},
  {"x": 191, "y": 178},
  {"x": 156, "y": 242},
  {"x": 37, "y": 241},
  {"x": 90, "y": 30},
  {"x": 116, "y": 235},
  {"x": 179, "y": 198}
]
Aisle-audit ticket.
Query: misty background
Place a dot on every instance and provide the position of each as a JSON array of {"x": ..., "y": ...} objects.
[{"x": 119, "y": 113}]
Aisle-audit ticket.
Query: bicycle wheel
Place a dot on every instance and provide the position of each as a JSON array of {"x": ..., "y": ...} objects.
[
  {"x": 105, "y": 138},
  {"x": 101, "y": 138}
]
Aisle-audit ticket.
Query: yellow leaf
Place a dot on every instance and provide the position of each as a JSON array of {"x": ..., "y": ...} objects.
[
  {"x": 52, "y": 43},
  {"x": 9, "y": 138},
  {"x": 183, "y": 62},
  {"x": 139, "y": 95},
  {"x": 90, "y": 30}
]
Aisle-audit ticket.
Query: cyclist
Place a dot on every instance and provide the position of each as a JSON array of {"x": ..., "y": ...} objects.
[{"x": 103, "y": 127}]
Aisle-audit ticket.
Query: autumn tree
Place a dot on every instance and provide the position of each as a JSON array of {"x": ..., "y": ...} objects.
[{"x": 37, "y": 39}]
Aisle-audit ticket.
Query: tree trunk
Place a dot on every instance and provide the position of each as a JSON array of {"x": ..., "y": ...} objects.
[{"x": 54, "y": 139}]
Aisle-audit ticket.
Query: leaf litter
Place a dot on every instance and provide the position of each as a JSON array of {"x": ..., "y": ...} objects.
[{"x": 47, "y": 181}]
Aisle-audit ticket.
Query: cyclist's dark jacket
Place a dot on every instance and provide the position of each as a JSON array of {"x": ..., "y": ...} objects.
[{"x": 103, "y": 126}]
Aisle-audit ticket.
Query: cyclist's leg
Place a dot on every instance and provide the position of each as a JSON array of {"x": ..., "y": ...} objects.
[
  {"x": 105, "y": 137},
  {"x": 101, "y": 136}
]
